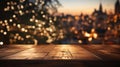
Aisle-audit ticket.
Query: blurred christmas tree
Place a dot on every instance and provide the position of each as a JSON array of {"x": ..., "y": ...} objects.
[{"x": 29, "y": 21}]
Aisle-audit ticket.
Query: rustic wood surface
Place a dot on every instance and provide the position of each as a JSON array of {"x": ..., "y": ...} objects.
[{"x": 61, "y": 52}]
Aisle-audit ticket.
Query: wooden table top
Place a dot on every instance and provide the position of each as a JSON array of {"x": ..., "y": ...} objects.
[{"x": 60, "y": 52}]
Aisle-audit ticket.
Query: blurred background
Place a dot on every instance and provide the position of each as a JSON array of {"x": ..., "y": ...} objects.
[{"x": 59, "y": 22}]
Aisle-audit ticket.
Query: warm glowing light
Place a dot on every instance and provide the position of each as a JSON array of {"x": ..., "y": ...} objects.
[
  {"x": 1, "y": 31},
  {"x": 73, "y": 28},
  {"x": 17, "y": 34},
  {"x": 7, "y": 27},
  {"x": 15, "y": 37},
  {"x": 8, "y": 3},
  {"x": 109, "y": 28},
  {"x": 93, "y": 30},
  {"x": 1, "y": 22},
  {"x": 12, "y": 8},
  {"x": 1, "y": 43},
  {"x": 14, "y": 16},
  {"x": 31, "y": 20},
  {"x": 61, "y": 35},
  {"x": 95, "y": 35},
  {"x": 10, "y": 20},
  {"x": 22, "y": 38},
  {"x": 80, "y": 41},
  {"x": 41, "y": 34},
  {"x": 115, "y": 18},
  {"x": 49, "y": 40},
  {"x": 6, "y": 9},
  {"x": 49, "y": 29},
  {"x": 50, "y": 21},
  {"x": 19, "y": 26},
  {"x": 55, "y": 18},
  {"x": 19, "y": 37},
  {"x": 87, "y": 34},
  {"x": 54, "y": 34},
  {"x": 33, "y": 11},
  {"x": 36, "y": 3},
  {"x": 14, "y": 24},
  {"x": 23, "y": 29},
  {"x": 33, "y": 27},
  {"x": 28, "y": 36},
  {"x": 5, "y": 33},
  {"x": 22, "y": 6},
  {"x": 77, "y": 17},
  {"x": 30, "y": 4},
  {"x": 76, "y": 32},
  {"x": 43, "y": 16},
  {"x": 5, "y": 21},
  {"x": 43, "y": 23},
  {"x": 39, "y": 25},
  {"x": 26, "y": 30},
  {"x": 20, "y": 11},
  {"x": 36, "y": 20},
  {"x": 42, "y": 12},
  {"x": 22, "y": 1},
  {"x": 90, "y": 39}
]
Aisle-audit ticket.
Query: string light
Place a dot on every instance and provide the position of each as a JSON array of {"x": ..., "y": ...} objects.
[
  {"x": 93, "y": 30},
  {"x": 14, "y": 16},
  {"x": 43, "y": 16},
  {"x": 23, "y": 29},
  {"x": 90, "y": 39},
  {"x": 1, "y": 43},
  {"x": 80, "y": 41},
  {"x": 36, "y": 21},
  {"x": 49, "y": 40},
  {"x": 87, "y": 34},
  {"x": 95, "y": 35},
  {"x": 50, "y": 21},
  {"x": 8, "y": 3},
  {"x": 31, "y": 20},
  {"x": 5, "y": 33},
  {"x": 28, "y": 36},
  {"x": 7, "y": 27},
  {"x": 22, "y": 6},
  {"x": 17, "y": 34},
  {"x": 10, "y": 20},
  {"x": 1, "y": 22},
  {"x": 33, "y": 27},
  {"x": 5, "y": 20},
  {"x": 33, "y": 11},
  {"x": 12, "y": 7},
  {"x": 22, "y": 1},
  {"x": 19, "y": 11},
  {"x": 26, "y": 30},
  {"x": 1, "y": 31},
  {"x": 19, "y": 37},
  {"x": 39, "y": 25},
  {"x": 30, "y": 4},
  {"x": 19, "y": 26},
  {"x": 42, "y": 12},
  {"x": 36, "y": 3},
  {"x": 15, "y": 24}
]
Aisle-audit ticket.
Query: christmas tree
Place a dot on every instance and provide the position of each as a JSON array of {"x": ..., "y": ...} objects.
[{"x": 29, "y": 21}]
